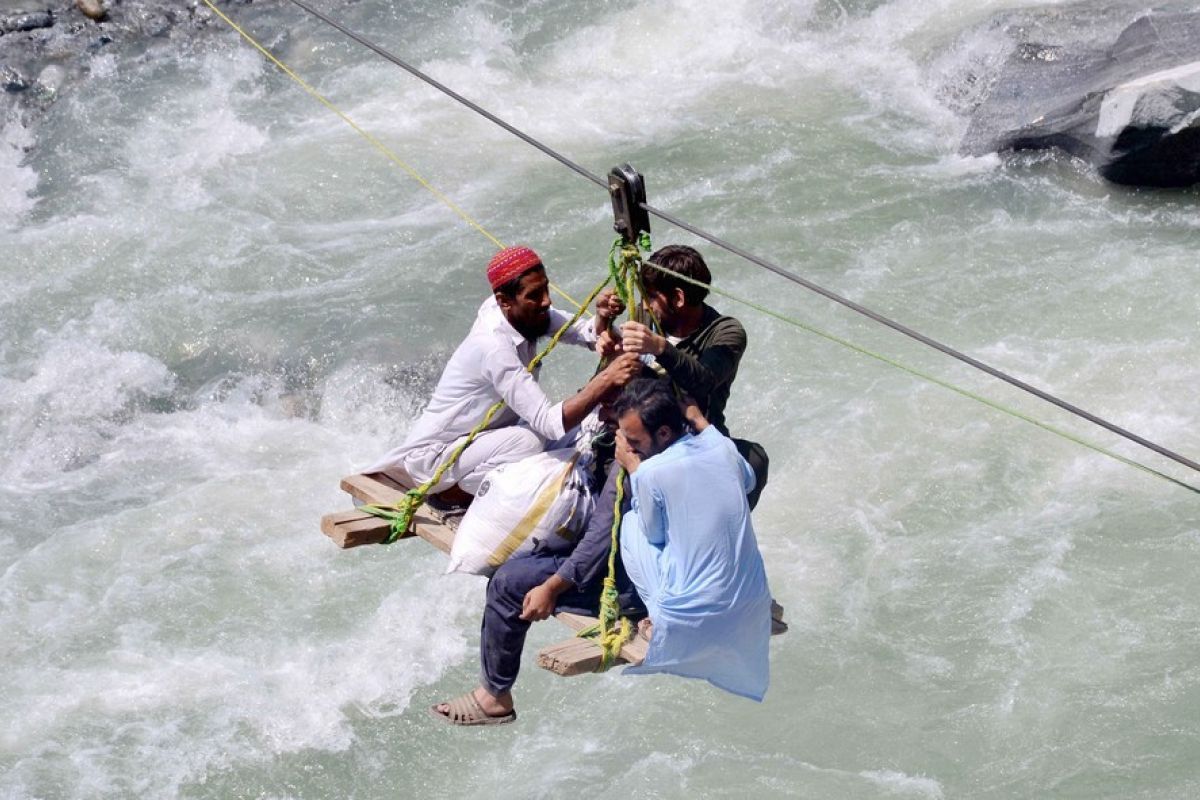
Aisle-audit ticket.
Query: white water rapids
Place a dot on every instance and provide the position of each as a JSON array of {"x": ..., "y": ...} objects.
[{"x": 218, "y": 300}]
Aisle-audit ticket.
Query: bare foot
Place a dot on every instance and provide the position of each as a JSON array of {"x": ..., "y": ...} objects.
[
  {"x": 645, "y": 628},
  {"x": 492, "y": 705}
]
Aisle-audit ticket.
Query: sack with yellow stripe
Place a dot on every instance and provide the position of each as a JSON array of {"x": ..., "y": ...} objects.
[{"x": 520, "y": 504}]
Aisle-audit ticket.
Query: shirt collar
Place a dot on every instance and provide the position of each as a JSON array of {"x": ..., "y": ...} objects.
[{"x": 498, "y": 323}]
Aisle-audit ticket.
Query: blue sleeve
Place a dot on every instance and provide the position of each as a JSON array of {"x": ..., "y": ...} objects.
[{"x": 648, "y": 500}]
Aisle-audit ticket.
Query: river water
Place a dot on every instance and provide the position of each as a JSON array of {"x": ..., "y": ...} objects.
[{"x": 219, "y": 299}]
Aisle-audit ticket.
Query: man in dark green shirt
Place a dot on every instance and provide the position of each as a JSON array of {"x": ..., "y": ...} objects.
[{"x": 701, "y": 348}]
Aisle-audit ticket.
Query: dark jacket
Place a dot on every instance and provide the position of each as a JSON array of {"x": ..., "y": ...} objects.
[{"x": 705, "y": 363}]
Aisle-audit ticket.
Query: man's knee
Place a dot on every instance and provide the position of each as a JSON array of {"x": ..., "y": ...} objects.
[
  {"x": 756, "y": 457},
  {"x": 525, "y": 443},
  {"x": 514, "y": 578},
  {"x": 504, "y": 446},
  {"x": 506, "y": 587}
]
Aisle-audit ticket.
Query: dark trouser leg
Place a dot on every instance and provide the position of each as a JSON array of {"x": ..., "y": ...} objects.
[
  {"x": 756, "y": 457},
  {"x": 502, "y": 637}
]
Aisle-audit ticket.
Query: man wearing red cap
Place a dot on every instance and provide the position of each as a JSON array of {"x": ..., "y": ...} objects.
[{"x": 491, "y": 365}]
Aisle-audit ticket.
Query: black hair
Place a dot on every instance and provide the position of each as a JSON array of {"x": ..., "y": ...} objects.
[
  {"x": 684, "y": 260},
  {"x": 654, "y": 403},
  {"x": 510, "y": 288}
]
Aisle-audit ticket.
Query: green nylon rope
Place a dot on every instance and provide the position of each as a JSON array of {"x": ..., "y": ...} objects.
[
  {"x": 612, "y": 630},
  {"x": 400, "y": 514},
  {"x": 934, "y": 380},
  {"x": 621, "y": 256}
]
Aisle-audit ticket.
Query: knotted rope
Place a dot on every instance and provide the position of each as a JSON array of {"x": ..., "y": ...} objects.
[{"x": 612, "y": 630}]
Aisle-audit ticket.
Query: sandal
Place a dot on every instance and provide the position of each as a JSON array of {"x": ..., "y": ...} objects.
[{"x": 465, "y": 710}]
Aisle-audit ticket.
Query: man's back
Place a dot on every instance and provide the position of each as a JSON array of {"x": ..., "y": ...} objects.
[
  {"x": 705, "y": 363},
  {"x": 700, "y": 516},
  {"x": 711, "y": 604},
  {"x": 467, "y": 387}
]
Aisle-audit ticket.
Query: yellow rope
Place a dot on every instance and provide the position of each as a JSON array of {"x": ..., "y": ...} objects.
[
  {"x": 615, "y": 630},
  {"x": 378, "y": 145}
]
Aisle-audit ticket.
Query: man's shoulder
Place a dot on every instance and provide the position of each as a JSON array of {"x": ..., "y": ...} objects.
[
  {"x": 720, "y": 325},
  {"x": 491, "y": 332},
  {"x": 725, "y": 322},
  {"x": 668, "y": 459}
]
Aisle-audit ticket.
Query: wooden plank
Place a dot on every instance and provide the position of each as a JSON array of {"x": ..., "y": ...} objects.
[
  {"x": 434, "y": 528},
  {"x": 572, "y": 657},
  {"x": 353, "y": 528},
  {"x": 375, "y": 488},
  {"x": 632, "y": 652},
  {"x": 356, "y": 528},
  {"x": 576, "y": 656}
]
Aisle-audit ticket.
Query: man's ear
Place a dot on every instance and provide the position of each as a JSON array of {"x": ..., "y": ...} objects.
[
  {"x": 504, "y": 301},
  {"x": 662, "y": 435},
  {"x": 678, "y": 299}
]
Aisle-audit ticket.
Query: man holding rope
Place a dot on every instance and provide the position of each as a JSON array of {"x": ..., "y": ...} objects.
[
  {"x": 491, "y": 365},
  {"x": 701, "y": 348}
]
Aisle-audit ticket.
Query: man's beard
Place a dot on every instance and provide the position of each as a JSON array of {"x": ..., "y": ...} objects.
[{"x": 535, "y": 329}]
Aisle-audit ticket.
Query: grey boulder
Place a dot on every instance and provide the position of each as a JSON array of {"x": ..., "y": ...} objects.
[{"x": 1132, "y": 109}]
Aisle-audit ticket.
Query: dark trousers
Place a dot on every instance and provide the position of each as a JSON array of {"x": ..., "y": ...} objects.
[{"x": 502, "y": 637}]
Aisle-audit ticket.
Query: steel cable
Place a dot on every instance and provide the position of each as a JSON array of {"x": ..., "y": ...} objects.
[{"x": 761, "y": 262}]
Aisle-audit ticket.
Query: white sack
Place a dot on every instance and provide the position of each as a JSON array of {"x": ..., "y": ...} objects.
[{"x": 518, "y": 503}]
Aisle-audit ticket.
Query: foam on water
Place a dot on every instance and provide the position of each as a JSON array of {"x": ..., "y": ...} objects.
[
  {"x": 172, "y": 153},
  {"x": 17, "y": 181},
  {"x": 234, "y": 302}
]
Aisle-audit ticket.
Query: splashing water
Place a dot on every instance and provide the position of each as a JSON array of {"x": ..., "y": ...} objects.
[{"x": 219, "y": 300}]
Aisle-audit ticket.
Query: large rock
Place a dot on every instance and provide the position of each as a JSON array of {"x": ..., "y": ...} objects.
[
  {"x": 1132, "y": 108},
  {"x": 56, "y": 40}
]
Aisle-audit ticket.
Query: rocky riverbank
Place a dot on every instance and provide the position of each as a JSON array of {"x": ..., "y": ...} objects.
[
  {"x": 48, "y": 47},
  {"x": 1124, "y": 99}
]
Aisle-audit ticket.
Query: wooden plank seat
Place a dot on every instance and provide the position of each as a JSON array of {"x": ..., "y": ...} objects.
[{"x": 354, "y": 528}]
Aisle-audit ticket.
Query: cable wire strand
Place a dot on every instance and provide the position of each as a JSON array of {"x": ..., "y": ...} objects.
[
  {"x": 761, "y": 262},
  {"x": 923, "y": 339},
  {"x": 997, "y": 406},
  {"x": 373, "y": 140}
]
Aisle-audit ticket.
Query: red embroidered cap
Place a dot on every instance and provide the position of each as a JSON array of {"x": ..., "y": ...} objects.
[{"x": 509, "y": 263}]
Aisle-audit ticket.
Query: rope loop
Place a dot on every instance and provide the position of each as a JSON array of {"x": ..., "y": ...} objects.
[{"x": 625, "y": 271}]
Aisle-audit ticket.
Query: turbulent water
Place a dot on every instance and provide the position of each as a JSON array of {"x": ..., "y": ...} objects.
[{"x": 218, "y": 299}]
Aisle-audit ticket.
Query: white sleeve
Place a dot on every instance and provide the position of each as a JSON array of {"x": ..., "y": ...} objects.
[
  {"x": 521, "y": 392},
  {"x": 582, "y": 333}
]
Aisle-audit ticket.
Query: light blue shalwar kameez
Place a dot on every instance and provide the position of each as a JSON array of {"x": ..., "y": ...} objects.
[{"x": 689, "y": 547}]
